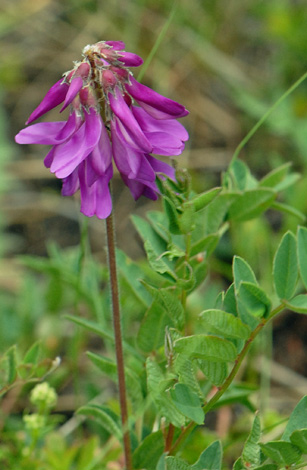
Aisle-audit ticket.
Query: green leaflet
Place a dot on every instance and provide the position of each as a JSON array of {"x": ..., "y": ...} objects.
[
  {"x": 216, "y": 372},
  {"x": 238, "y": 465},
  {"x": 206, "y": 244},
  {"x": 215, "y": 213},
  {"x": 229, "y": 300},
  {"x": 287, "y": 209},
  {"x": 105, "y": 364},
  {"x": 206, "y": 347},
  {"x": 251, "y": 450},
  {"x": 149, "y": 451},
  {"x": 155, "y": 247},
  {"x": 157, "y": 261},
  {"x": 297, "y": 420},
  {"x": 105, "y": 417},
  {"x": 242, "y": 272},
  {"x": 281, "y": 452},
  {"x": 132, "y": 273},
  {"x": 187, "y": 219},
  {"x": 299, "y": 439},
  {"x": 298, "y": 303},
  {"x": 33, "y": 353},
  {"x": 266, "y": 466},
  {"x": 241, "y": 176},
  {"x": 187, "y": 402},
  {"x": 172, "y": 215},
  {"x": 302, "y": 253},
  {"x": 152, "y": 329},
  {"x": 10, "y": 364},
  {"x": 157, "y": 385},
  {"x": 285, "y": 267},
  {"x": 175, "y": 463},
  {"x": 251, "y": 204},
  {"x": 225, "y": 324},
  {"x": 254, "y": 299},
  {"x": 276, "y": 176},
  {"x": 186, "y": 371},
  {"x": 210, "y": 458},
  {"x": 173, "y": 307}
]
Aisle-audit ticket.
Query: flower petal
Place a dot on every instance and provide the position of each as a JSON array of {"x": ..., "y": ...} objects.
[
  {"x": 164, "y": 144},
  {"x": 150, "y": 124},
  {"x": 155, "y": 104},
  {"x": 49, "y": 158},
  {"x": 41, "y": 133},
  {"x": 130, "y": 60},
  {"x": 161, "y": 167},
  {"x": 49, "y": 133},
  {"x": 95, "y": 199},
  {"x": 123, "y": 112},
  {"x": 53, "y": 98},
  {"x": 139, "y": 189},
  {"x": 70, "y": 184},
  {"x": 100, "y": 158},
  {"x": 117, "y": 45},
  {"x": 127, "y": 160},
  {"x": 103, "y": 196},
  {"x": 74, "y": 88},
  {"x": 145, "y": 174},
  {"x": 70, "y": 154}
]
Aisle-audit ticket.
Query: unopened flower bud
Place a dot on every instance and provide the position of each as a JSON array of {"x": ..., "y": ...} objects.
[
  {"x": 120, "y": 72},
  {"x": 108, "y": 79},
  {"x": 34, "y": 422},
  {"x": 87, "y": 97},
  {"x": 83, "y": 70},
  {"x": 43, "y": 396}
]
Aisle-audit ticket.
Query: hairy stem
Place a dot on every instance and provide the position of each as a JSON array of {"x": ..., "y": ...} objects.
[{"x": 118, "y": 340}]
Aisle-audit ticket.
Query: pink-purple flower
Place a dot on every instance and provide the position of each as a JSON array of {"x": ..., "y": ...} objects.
[{"x": 111, "y": 117}]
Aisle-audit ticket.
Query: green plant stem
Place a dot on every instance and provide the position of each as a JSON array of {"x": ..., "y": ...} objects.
[
  {"x": 265, "y": 116},
  {"x": 157, "y": 42},
  {"x": 118, "y": 340},
  {"x": 221, "y": 390},
  {"x": 187, "y": 259}
]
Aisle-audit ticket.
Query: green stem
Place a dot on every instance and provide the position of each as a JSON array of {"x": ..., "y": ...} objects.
[
  {"x": 264, "y": 118},
  {"x": 221, "y": 390},
  {"x": 157, "y": 42},
  {"x": 118, "y": 340}
]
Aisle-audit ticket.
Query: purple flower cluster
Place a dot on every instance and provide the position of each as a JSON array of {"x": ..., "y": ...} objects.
[{"x": 104, "y": 122}]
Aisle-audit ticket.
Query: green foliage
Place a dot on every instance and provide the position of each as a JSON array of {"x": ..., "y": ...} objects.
[
  {"x": 174, "y": 358},
  {"x": 210, "y": 458},
  {"x": 302, "y": 253},
  {"x": 297, "y": 420},
  {"x": 148, "y": 453},
  {"x": 105, "y": 417},
  {"x": 31, "y": 368},
  {"x": 225, "y": 324},
  {"x": 285, "y": 269},
  {"x": 187, "y": 402},
  {"x": 189, "y": 315}
]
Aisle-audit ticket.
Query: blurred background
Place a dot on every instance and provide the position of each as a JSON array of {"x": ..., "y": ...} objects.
[{"x": 226, "y": 61}]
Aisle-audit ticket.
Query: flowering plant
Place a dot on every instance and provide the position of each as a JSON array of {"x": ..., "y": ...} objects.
[
  {"x": 178, "y": 367},
  {"x": 104, "y": 122}
]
